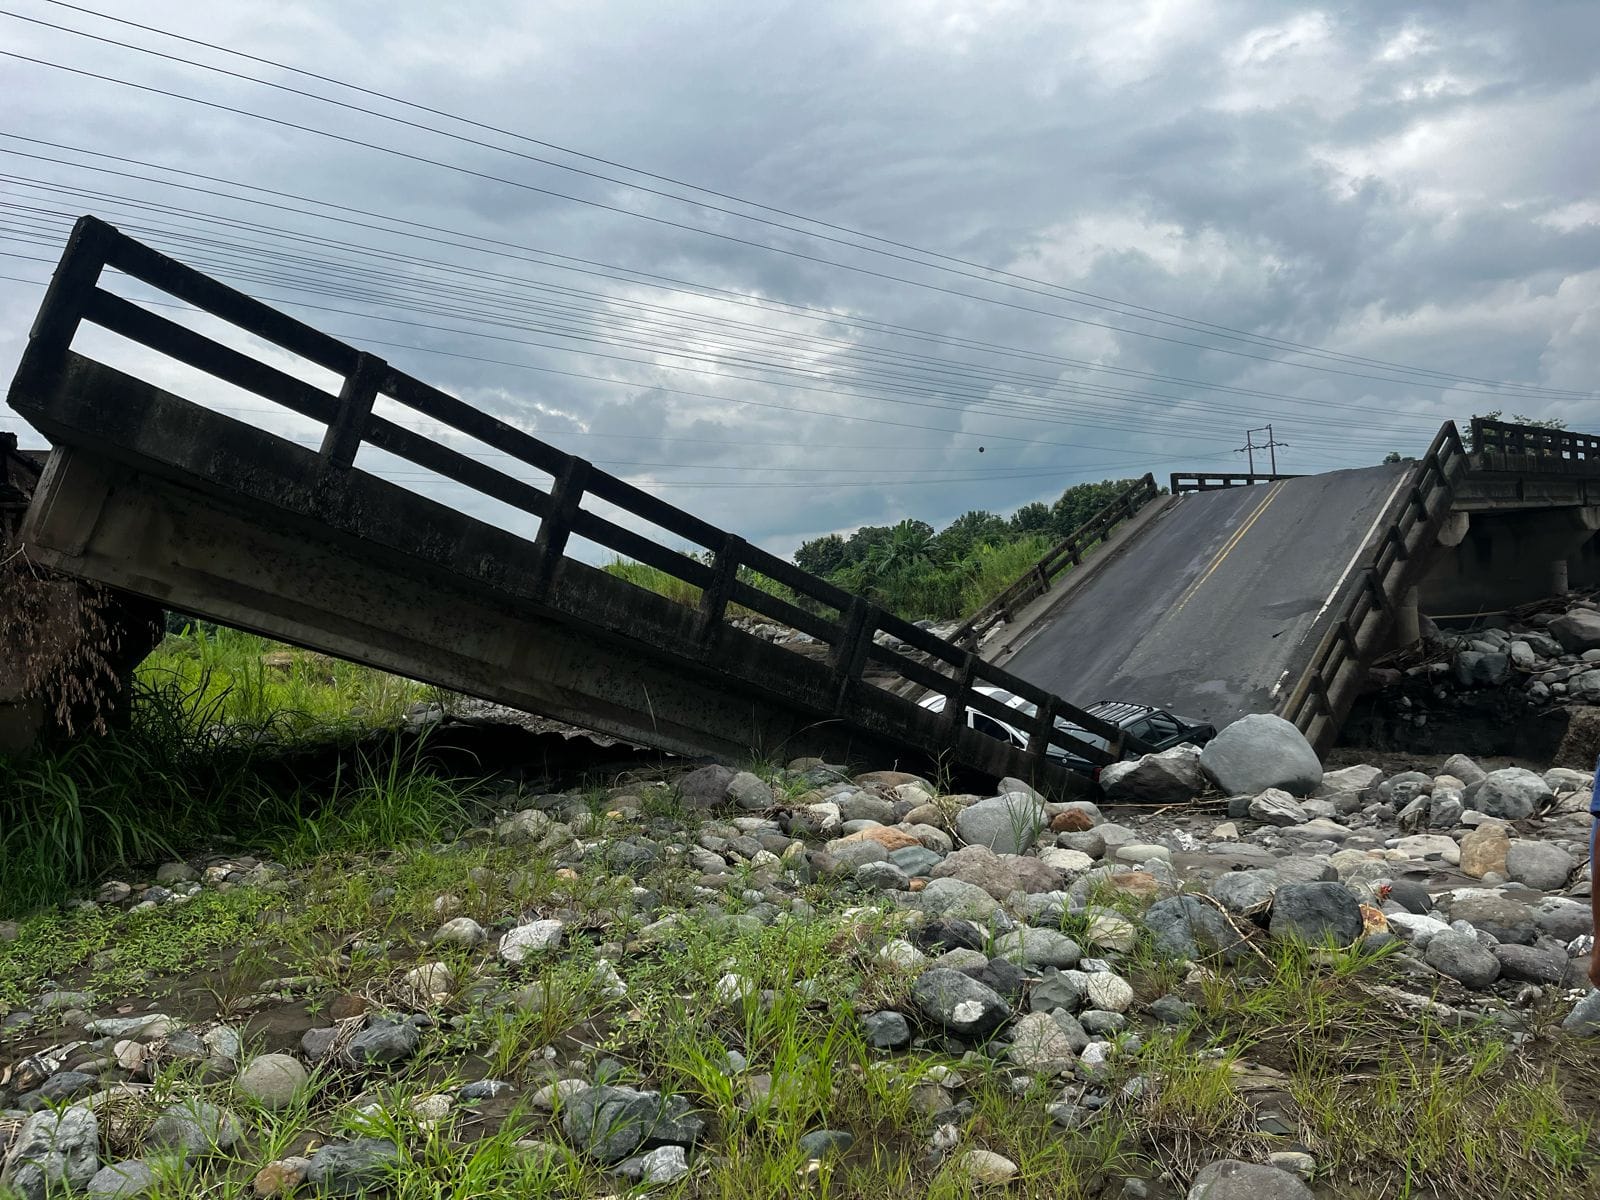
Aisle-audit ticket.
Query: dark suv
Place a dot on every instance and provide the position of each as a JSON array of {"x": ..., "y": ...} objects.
[{"x": 1157, "y": 727}]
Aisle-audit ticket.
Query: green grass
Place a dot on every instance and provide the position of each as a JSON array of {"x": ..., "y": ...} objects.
[
  {"x": 653, "y": 579},
  {"x": 244, "y": 680},
  {"x": 1390, "y": 1105},
  {"x": 125, "y": 949},
  {"x": 210, "y": 709}
]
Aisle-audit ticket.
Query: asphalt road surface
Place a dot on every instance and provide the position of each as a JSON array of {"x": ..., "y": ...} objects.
[{"x": 1217, "y": 605}]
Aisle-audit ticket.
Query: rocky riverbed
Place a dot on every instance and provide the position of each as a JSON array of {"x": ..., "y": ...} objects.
[{"x": 1238, "y": 975}]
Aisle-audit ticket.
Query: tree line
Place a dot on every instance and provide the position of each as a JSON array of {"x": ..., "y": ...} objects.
[{"x": 919, "y": 572}]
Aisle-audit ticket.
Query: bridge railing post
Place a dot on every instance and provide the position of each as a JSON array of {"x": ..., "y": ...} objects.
[
  {"x": 714, "y": 598},
  {"x": 1044, "y": 725},
  {"x": 342, "y": 439},
  {"x": 556, "y": 526},
  {"x": 848, "y": 657},
  {"x": 955, "y": 697},
  {"x": 67, "y": 295}
]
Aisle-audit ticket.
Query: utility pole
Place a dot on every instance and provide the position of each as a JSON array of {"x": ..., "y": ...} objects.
[{"x": 1251, "y": 446}]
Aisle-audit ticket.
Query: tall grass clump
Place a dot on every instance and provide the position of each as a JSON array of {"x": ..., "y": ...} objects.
[
  {"x": 172, "y": 777},
  {"x": 993, "y": 567},
  {"x": 388, "y": 799},
  {"x": 190, "y": 771}
]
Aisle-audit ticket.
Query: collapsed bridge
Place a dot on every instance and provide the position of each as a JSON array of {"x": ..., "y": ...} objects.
[
  {"x": 1303, "y": 581},
  {"x": 158, "y": 496}
]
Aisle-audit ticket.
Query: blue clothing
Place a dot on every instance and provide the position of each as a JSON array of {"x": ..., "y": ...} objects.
[{"x": 1594, "y": 793}]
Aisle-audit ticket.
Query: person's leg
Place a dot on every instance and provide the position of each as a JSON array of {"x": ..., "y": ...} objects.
[{"x": 1594, "y": 897}]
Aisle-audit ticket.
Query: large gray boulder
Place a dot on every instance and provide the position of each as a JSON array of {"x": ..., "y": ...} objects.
[
  {"x": 53, "y": 1152},
  {"x": 1578, "y": 631},
  {"x": 705, "y": 788},
  {"x": 123, "y": 1181},
  {"x": 613, "y": 1122},
  {"x": 1511, "y": 793},
  {"x": 195, "y": 1128},
  {"x": 1531, "y": 964},
  {"x": 959, "y": 1002},
  {"x": 1585, "y": 1016},
  {"x": 998, "y": 874},
  {"x": 1187, "y": 927},
  {"x": 1262, "y": 751},
  {"x": 1231, "y": 1179},
  {"x": 1462, "y": 957},
  {"x": 1463, "y": 768},
  {"x": 1038, "y": 947},
  {"x": 355, "y": 1168},
  {"x": 1006, "y": 824},
  {"x": 1242, "y": 891},
  {"x": 1539, "y": 865},
  {"x": 1171, "y": 777},
  {"x": 1316, "y": 913},
  {"x": 1474, "y": 667},
  {"x": 956, "y": 898}
]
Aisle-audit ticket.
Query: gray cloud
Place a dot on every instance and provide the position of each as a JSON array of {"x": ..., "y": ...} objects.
[{"x": 1411, "y": 184}]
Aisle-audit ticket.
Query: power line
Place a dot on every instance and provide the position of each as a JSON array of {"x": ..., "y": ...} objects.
[
  {"x": 1525, "y": 392},
  {"x": 1091, "y": 299},
  {"x": 592, "y": 267},
  {"x": 941, "y": 365},
  {"x": 678, "y": 320},
  {"x": 986, "y": 435},
  {"x": 1344, "y": 440}
]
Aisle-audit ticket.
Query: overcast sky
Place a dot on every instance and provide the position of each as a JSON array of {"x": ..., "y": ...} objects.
[{"x": 1187, "y": 198}]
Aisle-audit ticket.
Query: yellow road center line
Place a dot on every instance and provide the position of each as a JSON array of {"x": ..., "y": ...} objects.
[{"x": 1272, "y": 494}]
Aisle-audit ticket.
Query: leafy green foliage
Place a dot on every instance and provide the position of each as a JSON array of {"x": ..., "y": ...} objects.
[{"x": 918, "y": 573}]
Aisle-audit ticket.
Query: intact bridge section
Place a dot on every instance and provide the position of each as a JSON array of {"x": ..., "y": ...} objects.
[{"x": 151, "y": 493}]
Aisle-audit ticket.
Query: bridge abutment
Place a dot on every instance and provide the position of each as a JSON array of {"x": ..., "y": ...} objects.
[{"x": 1502, "y": 559}]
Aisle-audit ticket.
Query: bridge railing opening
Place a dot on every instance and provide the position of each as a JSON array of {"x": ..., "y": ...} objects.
[
  {"x": 846, "y": 623},
  {"x": 1185, "y": 482},
  {"x": 1534, "y": 441}
]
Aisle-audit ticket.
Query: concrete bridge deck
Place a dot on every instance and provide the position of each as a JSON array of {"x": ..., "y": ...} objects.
[
  {"x": 1216, "y": 608},
  {"x": 151, "y": 493}
]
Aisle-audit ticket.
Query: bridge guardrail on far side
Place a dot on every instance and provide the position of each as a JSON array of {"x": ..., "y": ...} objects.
[
  {"x": 1321, "y": 698},
  {"x": 53, "y": 382},
  {"x": 1068, "y": 552},
  {"x": 1184, "y": 482}
]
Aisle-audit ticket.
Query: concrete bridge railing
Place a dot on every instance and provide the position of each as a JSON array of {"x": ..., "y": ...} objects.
[
  {"x": 206, "y": 513},
  {"x": 1371, "y": 604}
]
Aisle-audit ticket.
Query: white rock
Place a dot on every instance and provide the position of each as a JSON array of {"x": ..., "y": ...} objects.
[
  {"x": 987, "y": 1168},
  {"x": 528, "y": 939},
  {"x": 1142, "y": 852},
  {"x": 1275, "y": 806},
  {"x": 429, "y": 984},
  {"x": 1073, "y": 862},
  {"x": 733, "y": 990},
  {"x": 1425, "y": 845},
  {"x": 1108, "y": 991},
  {"x": 902, "y": 954},
  {"x": 966, "y": 1011},
  {"x": 460, "y": 931},
  {"x": 1415, "y": 928}
]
